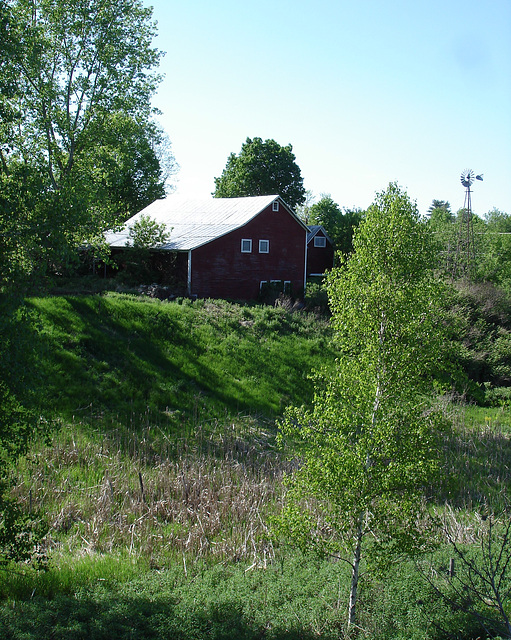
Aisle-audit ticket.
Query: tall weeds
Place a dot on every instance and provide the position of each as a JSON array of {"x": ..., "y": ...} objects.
[{"x": 145, "y": 494}]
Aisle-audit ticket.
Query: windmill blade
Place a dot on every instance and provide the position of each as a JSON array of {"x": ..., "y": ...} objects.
[{"x": 467, "y": 177}]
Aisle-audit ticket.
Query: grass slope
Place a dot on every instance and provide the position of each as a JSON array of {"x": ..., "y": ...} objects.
[{"x": 118, "y": 354}]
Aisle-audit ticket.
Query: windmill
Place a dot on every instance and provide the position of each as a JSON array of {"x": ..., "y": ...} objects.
[{"x": 465, "y": 249}]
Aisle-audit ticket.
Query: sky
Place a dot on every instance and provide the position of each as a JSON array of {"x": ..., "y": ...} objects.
[{"x": 367, "y": 92}]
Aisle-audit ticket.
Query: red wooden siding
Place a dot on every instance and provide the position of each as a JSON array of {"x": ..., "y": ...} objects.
[
  {"x": 221, "y": 270},
  {"x": 319, "y": 259}
]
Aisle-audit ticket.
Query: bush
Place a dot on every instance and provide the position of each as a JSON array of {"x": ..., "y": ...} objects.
[{"x": 479, "y": 318}]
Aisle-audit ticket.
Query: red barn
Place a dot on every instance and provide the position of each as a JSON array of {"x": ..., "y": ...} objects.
[
  {"x": 320, "y": 251},
  {"x": 230, "y": 247}
]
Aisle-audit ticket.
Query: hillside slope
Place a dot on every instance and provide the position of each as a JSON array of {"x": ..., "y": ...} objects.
[{"x": 117, "y": 354}]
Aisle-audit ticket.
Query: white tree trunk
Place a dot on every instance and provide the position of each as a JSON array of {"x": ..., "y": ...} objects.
[
  {"x": 352, "y": 611},
  {"x": 359, "y": 534}
]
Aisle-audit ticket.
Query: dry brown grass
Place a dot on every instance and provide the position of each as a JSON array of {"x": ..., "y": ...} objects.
[{"x": 210, "y": 502}]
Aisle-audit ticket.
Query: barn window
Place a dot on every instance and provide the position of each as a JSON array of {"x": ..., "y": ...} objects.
[
  {"x": 246, "y": 246},
  {"x": 320, "y": 241},
  {"x": 275, "y": 205},
  {"x": 264, "y": 246}
]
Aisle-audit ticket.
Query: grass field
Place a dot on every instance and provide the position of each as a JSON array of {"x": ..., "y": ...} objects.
[
  {"x": 161, "y": 475},
  {"x": 114, "y": 354}
]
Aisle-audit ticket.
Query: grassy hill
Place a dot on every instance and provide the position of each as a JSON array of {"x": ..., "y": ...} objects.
[
  {"x": 116, "y": 355},
  {"x": 161, "y": 476}
]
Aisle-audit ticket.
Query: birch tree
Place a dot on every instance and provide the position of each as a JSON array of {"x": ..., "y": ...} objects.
[{"x": 370, "y": 445}]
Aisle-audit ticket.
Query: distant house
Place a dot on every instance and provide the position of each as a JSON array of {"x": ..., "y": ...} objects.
[
  {"x": 229, "y": 247},
  {"x": 320, "y": 251}
]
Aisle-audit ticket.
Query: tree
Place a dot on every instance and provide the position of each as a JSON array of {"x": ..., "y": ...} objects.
[
  {"x": 338, "y": 225},
  {"x": 80, "y": 77},
  {"x": 439, "y": 204},
  {"x": 262, "y": 169},
  {"x": 129, "y": 165},
  {"x": 146, "y": 233},
  {"x": 370, "y": 443},
  {"x": 327, "y": 213},
  {"x": 303, "y": 210},
  {"x": 494, "y": 263}
]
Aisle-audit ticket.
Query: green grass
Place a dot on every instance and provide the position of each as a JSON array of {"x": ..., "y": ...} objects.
[
  {"x": 298, "y": 599},
  {"x": 158, "y": 483},
  {"x": 116, "y": 354}
]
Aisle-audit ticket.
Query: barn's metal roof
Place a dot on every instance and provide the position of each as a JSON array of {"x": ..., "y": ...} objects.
[
  {"x": 194, "y": 222},
  {"x": 314, "y": 229}
]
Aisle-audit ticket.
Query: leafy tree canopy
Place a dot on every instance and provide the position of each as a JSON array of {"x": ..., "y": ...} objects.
[
  {"x": 339, "y": 225},
  {"x": 439, "y": 204},
  {"x": 77, "y": 145},
  {"x": 262, "y": 168},
  {"x": 494, "y": 245},
  {"x": 146, "y": 233}
]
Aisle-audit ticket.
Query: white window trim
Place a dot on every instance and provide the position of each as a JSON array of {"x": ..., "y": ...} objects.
[
  {"x": 267, "y": 246},
  {"x": 249, "y": 244},
  {"x": 275, "y": 205},
  {"x": 321, "y": 245}
]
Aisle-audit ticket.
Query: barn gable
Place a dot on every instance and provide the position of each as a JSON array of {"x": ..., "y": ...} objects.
[{"x": 320, "y": 251}]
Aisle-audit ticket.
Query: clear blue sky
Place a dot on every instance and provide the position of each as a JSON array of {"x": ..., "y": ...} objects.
[{"x": 367, "y": 92}]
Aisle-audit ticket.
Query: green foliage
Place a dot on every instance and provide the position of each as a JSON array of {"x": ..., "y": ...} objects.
[
  {"x": 326, "y": 212},
  {"x": 21, "y": 534},
  {"x": 19, "y": 348},
  {"x": 118, "y": 597},
  {"x": 233, "y": 602},
  {"x": 488, "y": 248},
  {"x": 126, "y": 167},
  {"x": 19, "y": 423},
  {"x": 478, "y": 319},
  {"x": 316, "y": 298},
  {"x": 402, "y": 605},
  {"x": 478, "y": 584},
  {"x": 76, "y": 146},
  {"x": 338, "y": 225},
  {"x": 439, "y": 205},
  {"x": 262, "y": 168},
  {"x": 370, "y": 444},
  {"x": 146, "y": 233},
  {"x": 494, "y": 264}
]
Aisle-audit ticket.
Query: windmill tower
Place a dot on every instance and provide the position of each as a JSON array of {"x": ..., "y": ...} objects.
[{"x": 465, "y": 247}]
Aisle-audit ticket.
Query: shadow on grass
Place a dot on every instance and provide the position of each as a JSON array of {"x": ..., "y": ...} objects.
[
  {"x": 124, "y": 618},
  {"x": 115, "y": 354}
]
